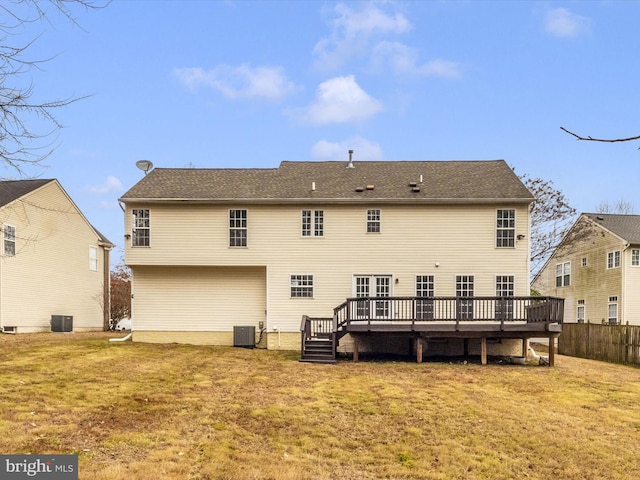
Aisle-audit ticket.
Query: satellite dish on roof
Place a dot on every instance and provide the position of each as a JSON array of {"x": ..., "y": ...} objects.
[{"x": 144, "y": 165}]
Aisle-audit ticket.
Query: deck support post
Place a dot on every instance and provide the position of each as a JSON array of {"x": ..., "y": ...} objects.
[
  {"x": 552, "y": 351},
  {"x": 483, "y": 350},
  {"x": 524, "y": 347},
  {"x": 355, "y": 348},
  {"x": 419, "y": 349}
]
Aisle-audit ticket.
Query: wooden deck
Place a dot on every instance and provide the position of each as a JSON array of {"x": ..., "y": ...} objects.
[{"x": 426, "y": 318}]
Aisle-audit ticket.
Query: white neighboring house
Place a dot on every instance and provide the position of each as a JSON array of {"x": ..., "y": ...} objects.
[{"x": 54, "y": 268}]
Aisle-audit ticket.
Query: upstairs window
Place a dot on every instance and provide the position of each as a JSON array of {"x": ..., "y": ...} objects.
[
  {"x": 373, "y": 221},
  {"x": 301, "y": 286},
  {"x": 140, "y": 230},
  {"x": 312, "y": 223},
  {"x": 635, "y": 258},
  {"x": 93, "y": 258},
  {"x": 237, "y": 228},
  {"x": 9, "y": 233},
  {"x": 613, "y": 259},
  {"x": 506, "y": 228},
  {"x": 563, "y": 274}
]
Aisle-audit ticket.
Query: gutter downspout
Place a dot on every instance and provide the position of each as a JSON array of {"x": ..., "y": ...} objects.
[{"x": 123, "y": 339}]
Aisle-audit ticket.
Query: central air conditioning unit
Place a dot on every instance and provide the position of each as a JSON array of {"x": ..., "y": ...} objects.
[
  {"x": 244, "y": 336},
  {"x": 61, "y": 323}
]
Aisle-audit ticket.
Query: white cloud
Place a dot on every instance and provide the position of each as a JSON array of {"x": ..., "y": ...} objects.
[
  {"x": 363, "y": 149},
  {"x": 341, "y": 100},
  {"x": 353, "y": 31},
  {"x": 238, "y": 82},
  {"x": 561, "y": 22},
  {"x": 404, "y": 61},
  {"x": 110, "y": 184}
]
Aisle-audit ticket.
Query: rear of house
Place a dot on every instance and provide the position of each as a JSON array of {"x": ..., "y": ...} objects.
[
  {"x": 214, "y": 249},
  {"x": 54, "y": 263}
]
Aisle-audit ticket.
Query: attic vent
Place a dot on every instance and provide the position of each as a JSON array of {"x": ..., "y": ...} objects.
[
  {"x": 599, "y": 218},
  {"x": 415, "y": 189},
  {"x": 359, "y": 189},
  {"x": 413, "y": 184},
  {"x": 370, "y": 187}
]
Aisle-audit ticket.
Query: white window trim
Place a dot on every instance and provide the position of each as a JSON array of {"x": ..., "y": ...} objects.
[
  {"x": 313, "y": 230},
  {"x": 638, "y": 256},
  {"x": 4, "y": 240},
  {"x": 617, "y": 317},
  {"x": 93, "y": 260},
  {"x": 563, "y": 284},
  {"x": 134, "y": 227},
  {"x": 374, "y": 222},
  {"x": 312, "y": 285},
  {"x": 246, "y": 228},
  {"x": 613, "y": 254},
  {"x": 495, "y": 241}
]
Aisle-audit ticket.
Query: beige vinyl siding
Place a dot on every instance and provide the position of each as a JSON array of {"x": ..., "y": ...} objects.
[
  {"x": 197, "y": 298},
  {"x": 631, "y": 283},
  {"x": 461, "y": 238},
  {"x": 50, "y": 274},
  {"x": 594, "y": 283}
]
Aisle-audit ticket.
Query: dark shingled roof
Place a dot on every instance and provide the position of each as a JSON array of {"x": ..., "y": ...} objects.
[
  {"x": 442, "y": 181},
  {"x": 10, "y": 190},
  {"x": 625, "y": 226}
]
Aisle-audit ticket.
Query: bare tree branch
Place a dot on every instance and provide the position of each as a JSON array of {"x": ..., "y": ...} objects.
[
  {"x": 21, "y": 144},
  {"x": 608, "y": 140}
]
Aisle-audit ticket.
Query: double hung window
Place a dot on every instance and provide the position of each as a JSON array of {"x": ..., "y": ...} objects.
[
  {"x": 563, "y": 274},
  {"x": 237, "y": 228},
  {"x": 312, "y": 223},
  {"x": 506, "y": 228},
  {"x": 373, "y": 221},
  {"x": 141, "y": 228},
  {"x": 9, "y": 244},
  {"x": 425, "y": 291}
]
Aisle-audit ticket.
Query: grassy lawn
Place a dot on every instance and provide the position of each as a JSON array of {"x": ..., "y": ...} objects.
[{"x": 137, "y": 411}]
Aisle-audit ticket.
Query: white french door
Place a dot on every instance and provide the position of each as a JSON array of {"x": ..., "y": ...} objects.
[{"x": 373, "y": 286}]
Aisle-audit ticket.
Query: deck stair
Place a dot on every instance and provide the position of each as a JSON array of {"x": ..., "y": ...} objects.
[{"x": 319, "y": 350}]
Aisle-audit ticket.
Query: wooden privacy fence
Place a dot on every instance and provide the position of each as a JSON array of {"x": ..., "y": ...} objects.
[{"x": 609, "y": 343}]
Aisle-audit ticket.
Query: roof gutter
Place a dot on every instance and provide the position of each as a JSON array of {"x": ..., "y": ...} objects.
[{"x": 334, "y": 201}]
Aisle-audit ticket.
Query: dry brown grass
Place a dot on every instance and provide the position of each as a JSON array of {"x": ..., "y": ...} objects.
[{"x": 136, "y": 411}]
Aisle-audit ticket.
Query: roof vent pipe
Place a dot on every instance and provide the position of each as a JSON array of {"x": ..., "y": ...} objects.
[{"x": 350, "y": 164}]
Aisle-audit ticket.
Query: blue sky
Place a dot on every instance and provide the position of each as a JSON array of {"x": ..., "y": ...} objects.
[{"x": 250, "y": 84}]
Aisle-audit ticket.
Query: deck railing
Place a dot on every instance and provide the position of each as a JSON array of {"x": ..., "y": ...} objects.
[{"x": 449, "y": 309}]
